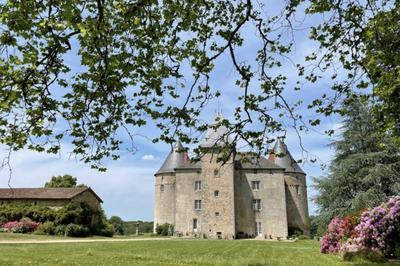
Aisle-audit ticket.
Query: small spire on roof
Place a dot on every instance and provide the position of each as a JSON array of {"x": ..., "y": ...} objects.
[
  {"x": 281, "y": 156},
  {"x": 216, "y": 136}
]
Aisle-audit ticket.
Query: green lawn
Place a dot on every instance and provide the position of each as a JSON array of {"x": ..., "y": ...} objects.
[
  {"x": 169, "y": 252},
  {"x": 30, "y": 237}
]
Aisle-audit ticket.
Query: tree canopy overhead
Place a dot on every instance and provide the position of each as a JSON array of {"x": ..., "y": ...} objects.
[{"x": 133, "y": 55}]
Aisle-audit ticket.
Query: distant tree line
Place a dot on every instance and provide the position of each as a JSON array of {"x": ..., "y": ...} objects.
[{"x": 129, "y": 227}]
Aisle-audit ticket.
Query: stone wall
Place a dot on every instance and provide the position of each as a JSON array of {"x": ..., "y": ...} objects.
[
  {"x": 91, "y": 201},
  {"x": 296, "y": 200},
  {"x": 88, "y": 198},
  {"x": 185, "y": 197},
  {"x": 218, "y": 213},
  {"x": 272, "y": 215},
  {"x": 164, "y": 209},
  {"x": 244, "y": 213}
]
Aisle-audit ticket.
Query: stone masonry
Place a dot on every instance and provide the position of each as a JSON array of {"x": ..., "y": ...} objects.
[{"x": 244, "y": 197}]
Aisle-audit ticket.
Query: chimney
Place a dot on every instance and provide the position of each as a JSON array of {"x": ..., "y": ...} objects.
[{"x": 271, "y": 156}]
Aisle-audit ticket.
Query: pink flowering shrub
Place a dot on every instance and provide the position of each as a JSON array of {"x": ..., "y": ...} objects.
[
  {"x": 378, "y": 232},
  {"x": 339, "y": 230},
  {"x": 20, "y": 227}
]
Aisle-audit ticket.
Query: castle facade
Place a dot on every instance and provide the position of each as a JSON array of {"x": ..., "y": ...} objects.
[{"x": 256, "y": 197}]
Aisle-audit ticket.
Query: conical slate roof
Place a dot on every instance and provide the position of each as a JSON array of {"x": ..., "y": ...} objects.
[
  {"x": 283, "y": 158},
  {"x": 216, "y": 136},
  {"x": 176, "y": 158}
]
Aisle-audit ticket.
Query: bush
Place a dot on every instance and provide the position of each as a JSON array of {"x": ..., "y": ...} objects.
[
  {"x": 103, "y": 230},
  {"x": 71, "y": 213},
  {"x": 23, "y": 226},
  {"x": 339, "y": 230},
  {"x": 59, "y": 230},
  {"x": 118, "y": 225},
  {"x": 75, "y": 230},
  {"x": 3, "y": 220},
  {"x": 378, "y": 232},
  {"x": 303, "y": 237},
  {"x": 164, "y": 229},
  {"x": 47, "y": 228}
]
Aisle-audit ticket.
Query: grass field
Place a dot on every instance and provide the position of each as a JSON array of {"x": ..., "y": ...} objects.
[
  {"x": 33, "y": 237},
  {"x": 170, "y": 252}
]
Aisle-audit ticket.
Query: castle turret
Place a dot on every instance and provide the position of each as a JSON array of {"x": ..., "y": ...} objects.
[
  {"x": 281, "y": 156},
  {"x": 164, "y": 209},
  {"x": 296, "y": 189}
]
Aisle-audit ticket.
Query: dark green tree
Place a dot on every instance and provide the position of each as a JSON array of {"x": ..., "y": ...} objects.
[
  {"x": 365, "y": 170},
  {"x": 118, "y": 224},
  {"x": 62, "y": 181}
]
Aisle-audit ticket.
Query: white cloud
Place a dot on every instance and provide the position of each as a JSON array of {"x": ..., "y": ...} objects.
[{"x": 149, "y": 157}]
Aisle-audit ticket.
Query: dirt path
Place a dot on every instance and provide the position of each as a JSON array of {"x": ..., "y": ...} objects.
[{"x": 76, "y": 240}]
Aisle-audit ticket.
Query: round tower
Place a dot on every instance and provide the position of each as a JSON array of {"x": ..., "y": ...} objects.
[
  {"x": 296, "y": 189},
  {"x": 165, "y": 180}
]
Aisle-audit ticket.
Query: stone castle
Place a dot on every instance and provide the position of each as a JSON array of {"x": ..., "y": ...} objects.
[{"x": 256, "y": 197}]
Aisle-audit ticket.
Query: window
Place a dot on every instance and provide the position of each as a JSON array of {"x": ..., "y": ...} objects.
[
  {"x": 216, "y": 193},
  {"x": 194, "y": 223},
  {"x": 162, "y": 187},
  {"x": 216, "y": 172},
  {"x": 255, "y": 185},
  {"x": 298, "y": 191},
  {"x": 216, "y": 214},
  {"x": 197, "y": 205},
  {"x": 258, "y": 228},
  {"x": 197, "y": 185},
  {"x": 256, "y": 204}
]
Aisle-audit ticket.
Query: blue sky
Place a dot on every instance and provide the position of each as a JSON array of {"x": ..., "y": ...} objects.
[{"x": 127, "y": 187}]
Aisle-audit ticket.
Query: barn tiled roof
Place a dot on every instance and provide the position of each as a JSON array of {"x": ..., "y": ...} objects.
[{"x": 44, "y": 193}]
